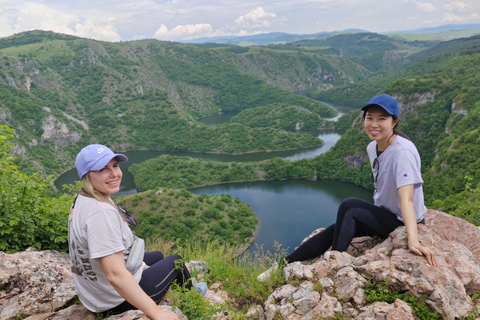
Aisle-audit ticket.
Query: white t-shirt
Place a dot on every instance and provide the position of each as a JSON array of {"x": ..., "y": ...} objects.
[
  {"x": 399, "y": 165},
  {"x": 96, "y": 230}
]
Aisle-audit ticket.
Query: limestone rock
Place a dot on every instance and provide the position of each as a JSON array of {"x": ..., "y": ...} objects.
[
  {"x": 74, "y": 312},
  {"x": 34, "y": 282},
  {"x": 342, "y": 277},
  {"x": 384, "y": 311},
  {"x": 139, "y": 315},
  {"x": 455, "y": 229},
  {"x": 54, "y": 130}
]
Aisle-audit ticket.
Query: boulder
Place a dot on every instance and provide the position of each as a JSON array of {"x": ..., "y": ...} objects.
[
  {"x": 342, "y": 277},
  {"x": 34, "y": 282},
  {"x": 74, "y": 312}
]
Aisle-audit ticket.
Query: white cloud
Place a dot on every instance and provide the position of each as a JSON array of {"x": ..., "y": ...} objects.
[
  {"x": 36, "y": 16},
  {"x": 449, "y": 17},
  {"x": 6, "y": 28},
  {"x": 454, "y": 6},
  {"x": 185, "y": 32},
  {"x": 97, "y": 30},
  {"x": 32, "y": 16},
  {"x": 257, "y": 18},
  {"x": 112, "y": 20},
  {"x": 425, "y": 6}
]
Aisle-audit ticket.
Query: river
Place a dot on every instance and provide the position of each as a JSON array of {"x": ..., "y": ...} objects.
[{"x": 288, "y": 210}]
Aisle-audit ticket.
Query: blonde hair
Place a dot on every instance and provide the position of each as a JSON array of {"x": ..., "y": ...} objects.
[{"x": 89, "y": 191}]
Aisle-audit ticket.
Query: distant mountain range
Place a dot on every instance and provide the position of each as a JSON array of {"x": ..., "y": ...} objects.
[
  {"x": 452, "y": 31},
  {"x": 269, "y": 38}
]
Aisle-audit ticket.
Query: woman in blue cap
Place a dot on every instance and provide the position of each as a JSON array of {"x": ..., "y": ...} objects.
[
  {"x": 398, "y": 197},
  {"x": 102, "y": 246}
]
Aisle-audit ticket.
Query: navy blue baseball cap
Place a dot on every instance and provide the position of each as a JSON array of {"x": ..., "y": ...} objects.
[
  {"x": 95, "y": 157},
  {"x": 385, "y": 101}
]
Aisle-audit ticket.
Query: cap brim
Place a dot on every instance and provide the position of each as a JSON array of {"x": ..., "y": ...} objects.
[
  {"x": 106, "y": 159},
  {"x": 378, "y": 105}
]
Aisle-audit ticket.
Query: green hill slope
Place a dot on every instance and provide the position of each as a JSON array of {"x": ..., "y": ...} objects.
[
  {"x": 61, "y": 93},
  {"x": 439, "y": 97}
]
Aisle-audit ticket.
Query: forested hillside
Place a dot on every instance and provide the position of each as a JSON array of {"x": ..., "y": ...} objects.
[
  {"x": 60, "y": 93},
  {"x": 439, "y": 98}
]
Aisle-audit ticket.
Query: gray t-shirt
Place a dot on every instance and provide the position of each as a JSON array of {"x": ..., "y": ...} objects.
[
  {"x": 96, "y": 230},
  {"x": 399, "y": 165}
]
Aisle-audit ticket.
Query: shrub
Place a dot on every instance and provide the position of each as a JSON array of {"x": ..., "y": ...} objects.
[{"x": 28, "y": 217}]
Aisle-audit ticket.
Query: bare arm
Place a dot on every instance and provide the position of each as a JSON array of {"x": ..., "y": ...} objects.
[
  {"x": 405, "y": 195},
  {"x": 114, "y": 268}
]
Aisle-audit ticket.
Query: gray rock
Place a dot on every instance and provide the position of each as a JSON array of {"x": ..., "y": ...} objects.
[{"x": 34, "y": 282}]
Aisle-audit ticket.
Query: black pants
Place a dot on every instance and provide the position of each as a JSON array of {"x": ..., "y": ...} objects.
[
  {"x": 157, "y": 278},
  {"x": 355, "y": 218}
]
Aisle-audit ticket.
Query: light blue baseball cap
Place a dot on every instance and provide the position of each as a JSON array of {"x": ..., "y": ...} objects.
[
  {"x": 385, "y": 101},
  {"x": 95, "y": 157}
]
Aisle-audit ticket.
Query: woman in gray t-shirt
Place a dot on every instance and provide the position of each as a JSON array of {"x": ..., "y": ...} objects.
[
  {"x": 398, "y": 193},
  {"x": 100, "y": 241}
]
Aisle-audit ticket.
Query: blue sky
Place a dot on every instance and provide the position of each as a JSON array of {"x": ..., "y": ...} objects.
[{"x": 120, "y": 20}]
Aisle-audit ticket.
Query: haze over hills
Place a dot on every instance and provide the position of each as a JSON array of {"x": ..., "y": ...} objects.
[
  {"x": 442, "y": 33},
  {"x": 268, "y": 38}
]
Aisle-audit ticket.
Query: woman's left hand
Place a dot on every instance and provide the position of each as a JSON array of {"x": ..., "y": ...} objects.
[
  {"x": 421, "y": 250},
  {"x": 405, "y": 194}
]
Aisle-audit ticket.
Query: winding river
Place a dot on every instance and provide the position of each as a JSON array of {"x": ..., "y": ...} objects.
[{"x": 288, "y": 210}]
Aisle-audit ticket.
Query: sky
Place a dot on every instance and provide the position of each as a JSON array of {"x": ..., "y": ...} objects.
[{"x": 177, "y": 20}]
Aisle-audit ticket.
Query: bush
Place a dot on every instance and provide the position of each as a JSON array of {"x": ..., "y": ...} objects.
[{"x": 28, "y": 217}]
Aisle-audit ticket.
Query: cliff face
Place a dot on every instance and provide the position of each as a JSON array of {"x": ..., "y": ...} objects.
[{"x": 35, "y": 283}]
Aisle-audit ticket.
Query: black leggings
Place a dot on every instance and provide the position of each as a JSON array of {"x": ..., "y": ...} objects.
[
  {"x": 157, "y": 278},
  {"x": 355, "y": 218}
]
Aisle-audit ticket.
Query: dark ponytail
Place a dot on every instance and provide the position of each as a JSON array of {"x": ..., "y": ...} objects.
[{"x": 398, "y": 132}]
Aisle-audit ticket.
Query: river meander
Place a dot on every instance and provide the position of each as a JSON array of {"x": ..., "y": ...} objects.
[{"x": 287, "y": 210}]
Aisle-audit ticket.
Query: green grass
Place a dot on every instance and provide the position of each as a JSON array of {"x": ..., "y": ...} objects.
[
  {"x": 43, "y": 51},
  {"x": 25, "y": 49},
  {"x": 237, "y": 274}
]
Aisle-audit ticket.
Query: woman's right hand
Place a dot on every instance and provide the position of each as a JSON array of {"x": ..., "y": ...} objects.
[{"x": 166, "y": 315}]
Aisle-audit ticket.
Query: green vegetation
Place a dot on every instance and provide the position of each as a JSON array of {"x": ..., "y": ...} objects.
[
  {"x": 235, "y": 91},
  {"x": 29, "y": 217},
  {"x": 279, "y": 116},
  {"x": 439, "y": 93},
  {"x": 237, "y": 275},
  {"x": 144, "y": 95},
  {"x": 185, "y": 172},
  {"x": 181, "y": 215},
  {"x": 381, "y": 292}
]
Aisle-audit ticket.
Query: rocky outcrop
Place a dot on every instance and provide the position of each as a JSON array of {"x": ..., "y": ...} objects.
[
  {"x": 33, "y": 284},
  {"x": 54, "y": 130},
  {"x": 341, "y": 279},
  {"x": 38, "y": 285},
  {"x": 409, "y": 103}
]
